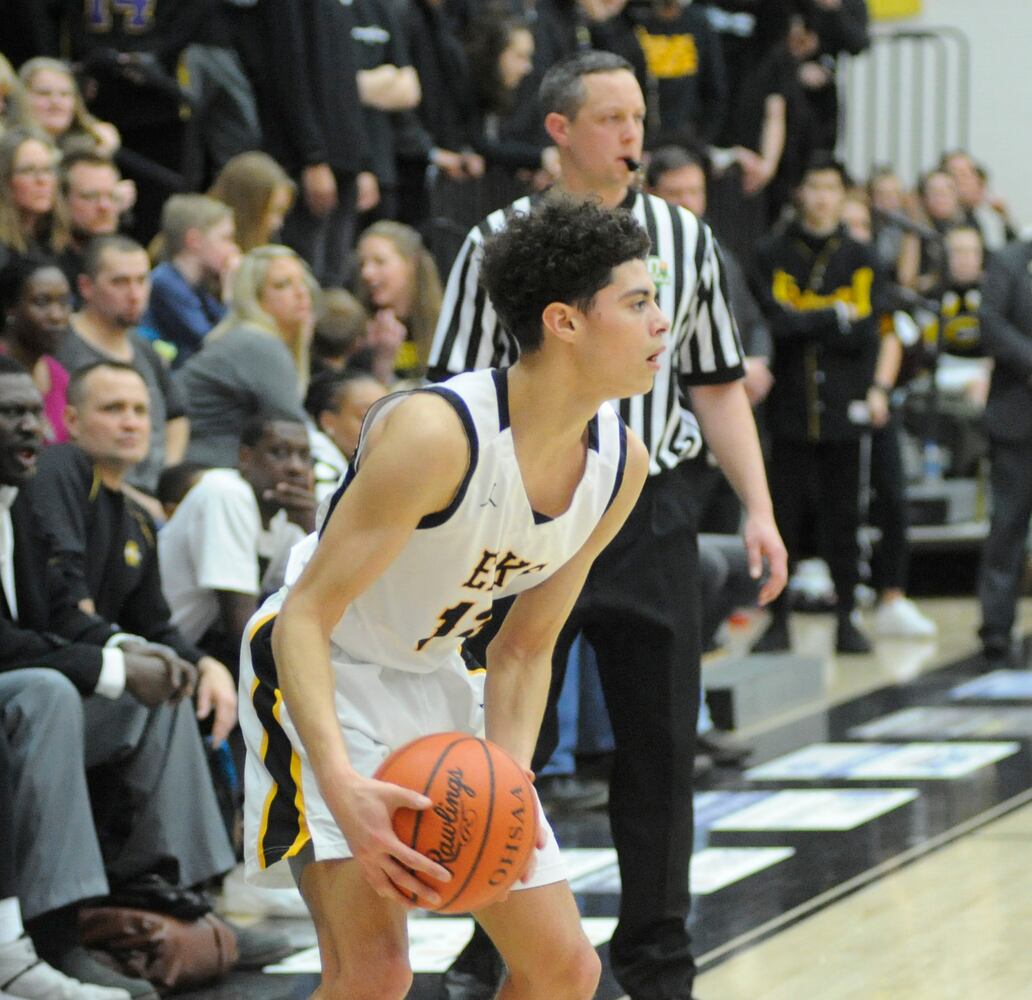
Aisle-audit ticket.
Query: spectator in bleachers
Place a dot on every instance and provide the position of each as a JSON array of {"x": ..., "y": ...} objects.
[
  {"x": 337, "y": 403},
  {"x": 940, "y": 211},
  {"x": 189, "y": 286},
  {"x": 128, "y": 65},
  {"x": 36, "y": 322},
  {"x": 227, "y": 543},
  {"x": 311, "y": 121},
  {"x": 114, "y": 286},
  {"x": 259, "y": 192},
  {"x": 989, "y": 214},
  {"x": 1006, "y": 318},
  {"x": 959, "y": 295},
  {"x": 175, "y": 482},
  {"x": 102, "y": 699},
  {"x": 12, "y": 96},
  {"x": 437, "y": 135},
  {"x": 897, "y": 248},
  {"x": 896, "y": 614},
  {"x": 398, "y": 280},
  {"x": 686, "y": 60},
  {"x": 255, "y": 362},
  {"x": 32, "y": 215},
  {"x": 819, "y": 291},
  {"x": 104, "y": 544},
  {"x": 841, "y": 29},
  {"x": 223, "y": 112},
  {"x": 387, "y": 84},
  {"x": 96, "y": 197},
  {"x": 748, "y": 149},
  {"x": 54, "y": 104},
  {"x": 500, "y": 49},
  {"x": 340, "y": 333}
]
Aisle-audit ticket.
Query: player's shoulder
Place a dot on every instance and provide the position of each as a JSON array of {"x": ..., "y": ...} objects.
[{"x": 429, "y": 425}]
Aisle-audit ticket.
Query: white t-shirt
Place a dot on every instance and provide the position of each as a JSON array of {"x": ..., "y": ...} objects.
[
  {"x": 215, "y": 541},
  {"x": 328, "y": 462}
]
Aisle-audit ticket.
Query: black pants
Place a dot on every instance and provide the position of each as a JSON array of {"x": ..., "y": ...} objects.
[
  {"x": 1003, "y": 557},
  {"x": 325, "y": 242},
  {"x": 640, "y": 610},
  {"x": 889, "y": 513},
  {"x": 833, "y": 469}
]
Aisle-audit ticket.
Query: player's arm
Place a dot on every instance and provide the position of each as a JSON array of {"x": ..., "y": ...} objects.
[
  {"x": 519, "y": 658},
  {"x": 411, "y": 469}
]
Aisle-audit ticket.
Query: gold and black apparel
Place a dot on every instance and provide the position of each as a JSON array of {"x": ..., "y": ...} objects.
[
  {"x": 957, "y": 329},
  {"x": 821, "y": 298}
]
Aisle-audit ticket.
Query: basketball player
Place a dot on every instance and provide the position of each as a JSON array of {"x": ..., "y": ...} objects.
[{"x": 495, "y": 483}]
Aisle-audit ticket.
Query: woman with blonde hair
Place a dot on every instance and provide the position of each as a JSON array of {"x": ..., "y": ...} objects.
[
  {"x": 12, "y": 96},
  {"x": 32, "y": 218},
  {"x": 54, "y": 103},
  {"x": 255, "y": 363},
  {"x": 260, "y": 192},
  {"x": 398, "y": 282}
]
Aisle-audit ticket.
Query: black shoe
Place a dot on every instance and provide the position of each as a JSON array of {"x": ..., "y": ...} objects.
[
  {"x": 477, "y": 972},
  {"x": 701, "y": 767},
  {"x": 726, "y": 749},
  {"x": 849, "y": 639},
  {"x": 775, "y": 638},
  {"x": 258, "y": 947},
  {"x": 568, "y": 792},
  {"x": 80, "y": 964}
]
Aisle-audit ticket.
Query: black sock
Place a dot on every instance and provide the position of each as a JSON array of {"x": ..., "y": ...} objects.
[{"x": 55, "y": 933}]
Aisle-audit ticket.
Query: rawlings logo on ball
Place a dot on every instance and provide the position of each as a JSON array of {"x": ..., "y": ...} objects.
[
  {"x": 458, "y": 818},
  {"x": 483, "y": 821}
]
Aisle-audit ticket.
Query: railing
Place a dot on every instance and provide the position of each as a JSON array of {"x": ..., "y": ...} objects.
[{"x": 906, "y": 100}]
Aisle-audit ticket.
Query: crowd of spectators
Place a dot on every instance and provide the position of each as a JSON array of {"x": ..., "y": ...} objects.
[{"x": 223, "y": 230}]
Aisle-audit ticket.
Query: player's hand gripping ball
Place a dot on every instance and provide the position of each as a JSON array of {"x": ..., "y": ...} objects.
[{"x": 482, "y": 825}]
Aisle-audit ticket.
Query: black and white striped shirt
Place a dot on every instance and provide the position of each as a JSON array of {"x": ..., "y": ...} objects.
[{"x": 690, "y": 289}]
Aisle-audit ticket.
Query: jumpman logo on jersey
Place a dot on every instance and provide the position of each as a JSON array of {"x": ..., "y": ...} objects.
[{"x": 490, "y": 497}]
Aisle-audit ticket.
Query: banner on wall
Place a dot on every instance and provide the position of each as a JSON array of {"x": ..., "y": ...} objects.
[{"x": 889, "y": 10}]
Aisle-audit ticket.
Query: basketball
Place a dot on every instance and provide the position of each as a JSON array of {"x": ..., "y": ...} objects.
[{"x": 483, "y": 822}]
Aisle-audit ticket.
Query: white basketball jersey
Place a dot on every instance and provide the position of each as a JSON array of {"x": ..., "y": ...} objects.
[{"x": 488, "y": 543}]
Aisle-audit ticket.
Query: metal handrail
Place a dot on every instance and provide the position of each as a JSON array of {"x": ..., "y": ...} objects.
[{"x": 929, "y": 66}]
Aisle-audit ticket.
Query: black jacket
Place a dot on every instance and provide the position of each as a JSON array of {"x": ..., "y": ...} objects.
[
  {"x": 822, "y": 362},
  {"x": 1007, "y": 338},
  {"x": 105, "y": 545},
  {"x": 50, "y": 631},
  {"x": 300, "y": 59}
]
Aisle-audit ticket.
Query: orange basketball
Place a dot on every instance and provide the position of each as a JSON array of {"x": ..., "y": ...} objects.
[{"x": 483, "y": 823}]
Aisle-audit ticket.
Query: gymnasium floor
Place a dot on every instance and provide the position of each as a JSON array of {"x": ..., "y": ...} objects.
[{"x": 898, "y": 866}]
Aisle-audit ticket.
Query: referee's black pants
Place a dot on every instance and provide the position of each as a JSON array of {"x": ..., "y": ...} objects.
[
  {"x": 819, "y": 480},
  {"x": 640, "y": 610}
]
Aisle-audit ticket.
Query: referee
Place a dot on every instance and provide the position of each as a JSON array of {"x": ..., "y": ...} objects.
[{"x": 639, "y": 608}]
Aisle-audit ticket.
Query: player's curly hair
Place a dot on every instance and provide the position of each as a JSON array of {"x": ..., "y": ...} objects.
[{"x": 562, "y": 251}]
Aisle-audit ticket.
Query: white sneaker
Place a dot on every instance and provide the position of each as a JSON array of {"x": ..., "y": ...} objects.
[
  {"x": 902, "y": 618},
  {"x": 240, "y": 898},
  {"x": 28, "y": 977}
]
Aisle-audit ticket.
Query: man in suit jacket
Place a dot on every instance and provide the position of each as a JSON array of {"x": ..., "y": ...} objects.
[
  {"x": 1006, "y": 317},
  {"x": 87, "y": 702}
]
